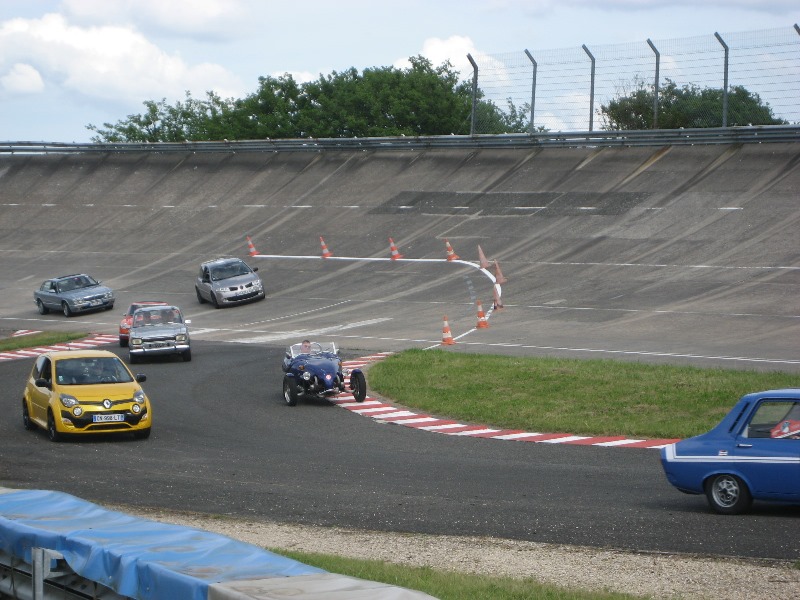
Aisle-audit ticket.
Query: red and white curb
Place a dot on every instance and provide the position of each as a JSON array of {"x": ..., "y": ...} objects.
[
  {"x": 384, "y": 412},
  {"x": 89, "y": 342}
]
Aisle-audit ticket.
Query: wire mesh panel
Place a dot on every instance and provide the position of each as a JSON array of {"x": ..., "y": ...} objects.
[{"x": 552, "y": 89}]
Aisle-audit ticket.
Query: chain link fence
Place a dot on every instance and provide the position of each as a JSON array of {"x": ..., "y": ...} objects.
[{"x": 718, "y": 80}]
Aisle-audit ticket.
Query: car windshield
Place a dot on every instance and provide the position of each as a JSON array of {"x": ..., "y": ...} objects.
[
  {"x": 89, "y": 371},
  {"x": 134, "y": 307},
  {"x": 229, "y": 270},
  {"x": 312, "y": 348},
  {"x": 148, "y": 317},
  {"x": 76, "y": 283}
]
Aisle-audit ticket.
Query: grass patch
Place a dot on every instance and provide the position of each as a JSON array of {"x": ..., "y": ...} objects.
[
  {"x": 39, "y": 339},
  {"x": 446, "y": 585},
  {"x": 554, "y": 395}
]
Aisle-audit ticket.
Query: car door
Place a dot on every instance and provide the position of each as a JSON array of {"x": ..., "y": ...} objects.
[
  {"x": 204, "y": 283},
  {"x": 770, "y": 451},
  {"x": 40, "y": 395},
  {"x": 48, "y": 295}
]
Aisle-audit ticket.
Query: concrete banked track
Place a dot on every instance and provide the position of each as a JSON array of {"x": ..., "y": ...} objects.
[{"x": 676, "y": 254}]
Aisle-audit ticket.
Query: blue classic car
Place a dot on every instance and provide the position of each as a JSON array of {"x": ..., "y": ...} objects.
[
  {"x": 72, "y": 294},
  {"x": 314, "y": 369},
  {"x": 754, "y": 453}
]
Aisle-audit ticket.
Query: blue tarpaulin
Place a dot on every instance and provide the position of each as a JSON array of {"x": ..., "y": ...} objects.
[{"x": 140, "y": 558}]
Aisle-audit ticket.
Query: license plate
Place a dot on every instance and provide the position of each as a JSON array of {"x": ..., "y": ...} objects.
[
  {"x": 107, "y": 418},
  {"x": 95, "y": 302}
]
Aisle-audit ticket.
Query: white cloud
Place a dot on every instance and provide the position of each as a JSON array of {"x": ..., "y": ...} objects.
[
  {"x": 22, "y": 79},
  {"x": 106, "y": 62},
  {"x": 202, "y": 19}
]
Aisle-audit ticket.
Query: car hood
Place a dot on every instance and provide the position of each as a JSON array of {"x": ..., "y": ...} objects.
[
  {"x": 95, "y": 291},
  {"x": 237, "y": 281},
  {"x": 158, "y": 331},
  {"x": 100, "y": 391}
]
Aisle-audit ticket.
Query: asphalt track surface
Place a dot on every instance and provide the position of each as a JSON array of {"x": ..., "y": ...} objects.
[{"x": 686, "y": 256}]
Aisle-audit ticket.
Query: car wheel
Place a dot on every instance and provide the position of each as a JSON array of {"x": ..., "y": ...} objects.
[
  {"x": 728, "y": 494},
  {"x": 358, "y": 383},
  {"x": 26, "y": 417},
  {"x": 214, "y": 300},
  {"x": 187, "y": 355},
  {"x": 66, "y": 309},
  {"x": 142, "y": 434},
  {"x": 52, "y": 432},
  {"x": 123, "y": 342},
  {"x": 43, "y": 310},
  {"x": 289, "y": 390},
  {"x": 200, "y": 298},
  {"x": 133, "y": 358}
]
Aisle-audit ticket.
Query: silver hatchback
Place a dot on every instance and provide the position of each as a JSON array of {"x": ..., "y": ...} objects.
[{"x": 226, "y": 281}]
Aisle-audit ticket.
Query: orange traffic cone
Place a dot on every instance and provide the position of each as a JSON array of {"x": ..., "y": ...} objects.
[
  {"x": 447, "y": 337},
  {"x": 393, "y": 248},
  {"x": 451, "y": 255},
  {"x": 498, "y": 303},
  {"x": 482, "y": 322},
  {"x": 325, "y": 252},
  {"x": 482, "y": 258},
  {"x": 251, "y": 248},
  {"x": 498, "y": 274}
]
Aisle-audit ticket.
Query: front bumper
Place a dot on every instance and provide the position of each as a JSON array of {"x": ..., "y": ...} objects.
[
  {"x": 160, "y": 347},
  {"x": 240, "y": 296}
]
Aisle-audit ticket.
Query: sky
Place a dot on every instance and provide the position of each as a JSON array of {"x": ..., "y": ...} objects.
[{"x": 65, "y": 64}]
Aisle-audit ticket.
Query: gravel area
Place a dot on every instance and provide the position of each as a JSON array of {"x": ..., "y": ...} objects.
[{"x": 658, "y": 576}]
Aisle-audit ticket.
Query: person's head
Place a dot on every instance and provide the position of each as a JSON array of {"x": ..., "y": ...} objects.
[{"x": 305, "y": 346}]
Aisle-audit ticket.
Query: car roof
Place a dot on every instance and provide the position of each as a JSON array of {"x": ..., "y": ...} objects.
[
  {"x": 62, "y": 354},
  {"x": 68, "y": 276},
  {"x": 220, "y": 261}
]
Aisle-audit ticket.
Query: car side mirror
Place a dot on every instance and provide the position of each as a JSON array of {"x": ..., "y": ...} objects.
[
  {"x": 42, "y": 382},
  {"x": 141, "y": 377},
  {"x": 255, "y": 269}
]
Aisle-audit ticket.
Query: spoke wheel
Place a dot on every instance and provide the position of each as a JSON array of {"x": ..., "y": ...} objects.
[
  {"x": 728, "y": 494},
  {"x": 66, "y": 309},
  {"x": 289, "y": 391},
  {"x": 26, "y": 417},
  {"x": 52, "y": 432},
  {"x": 358, "y": 383}
]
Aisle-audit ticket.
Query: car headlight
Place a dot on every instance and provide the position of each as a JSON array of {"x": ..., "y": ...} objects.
[
  {"x": 345, "y": 372},
  {"x": 139, "y": 397},
  {"x": 136, "y": 408},
  {"x": 181, "y": 337},
  {"x": 136, "y": 342},
  {"x": 77, "y": 411},
  {"x": 307, "y": 376},
  {"x": 258, "y": 285},
  {"x": 108, "y": 295},
  {"x": 67, "y": 400}
]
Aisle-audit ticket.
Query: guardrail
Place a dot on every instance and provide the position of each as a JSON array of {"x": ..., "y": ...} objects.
[{"x": 655, "y": 137}]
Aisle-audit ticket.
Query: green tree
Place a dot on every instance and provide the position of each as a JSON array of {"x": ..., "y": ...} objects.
[
  {"x": 416, "y": 101},
  {"x": 688, "y": 106}
]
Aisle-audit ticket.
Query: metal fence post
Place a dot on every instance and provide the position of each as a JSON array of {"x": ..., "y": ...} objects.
[
  {"x": 474, "y": 92},
  {"x": 591, "y": 93},
  {"x": 533, "y": 89},
  {"x": 655, "y": 83},
  {"x": 725, "y": 82}
]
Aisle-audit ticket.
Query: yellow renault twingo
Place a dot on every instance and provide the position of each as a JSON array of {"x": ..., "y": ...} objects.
[{"x": 85, "y": 392}]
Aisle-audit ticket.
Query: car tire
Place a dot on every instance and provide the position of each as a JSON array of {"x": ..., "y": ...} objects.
[
  {"x": 133, "y": 358},
  {"x": 200, "y": 298},
  {"x": 289, "y": 391},
  {"x": 214, "y": 300},
  {"x": 123, "y": 342},
  {"x": 358, "y": 383},
  {"x": 26, "y": 417},
  {"x": 66, "y": 309},
  {"x": 43, "y": 310},
  {"x": 142, "y": 434},
  {"x": 187, "y": 355},
  {"x": 727, "y": 494},
  {"x": 52, "y": 432}
]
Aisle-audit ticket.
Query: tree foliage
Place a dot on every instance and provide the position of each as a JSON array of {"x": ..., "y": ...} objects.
[
  {"x": 687, "y": 106},
  {"x": 385, "y": 101}
]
